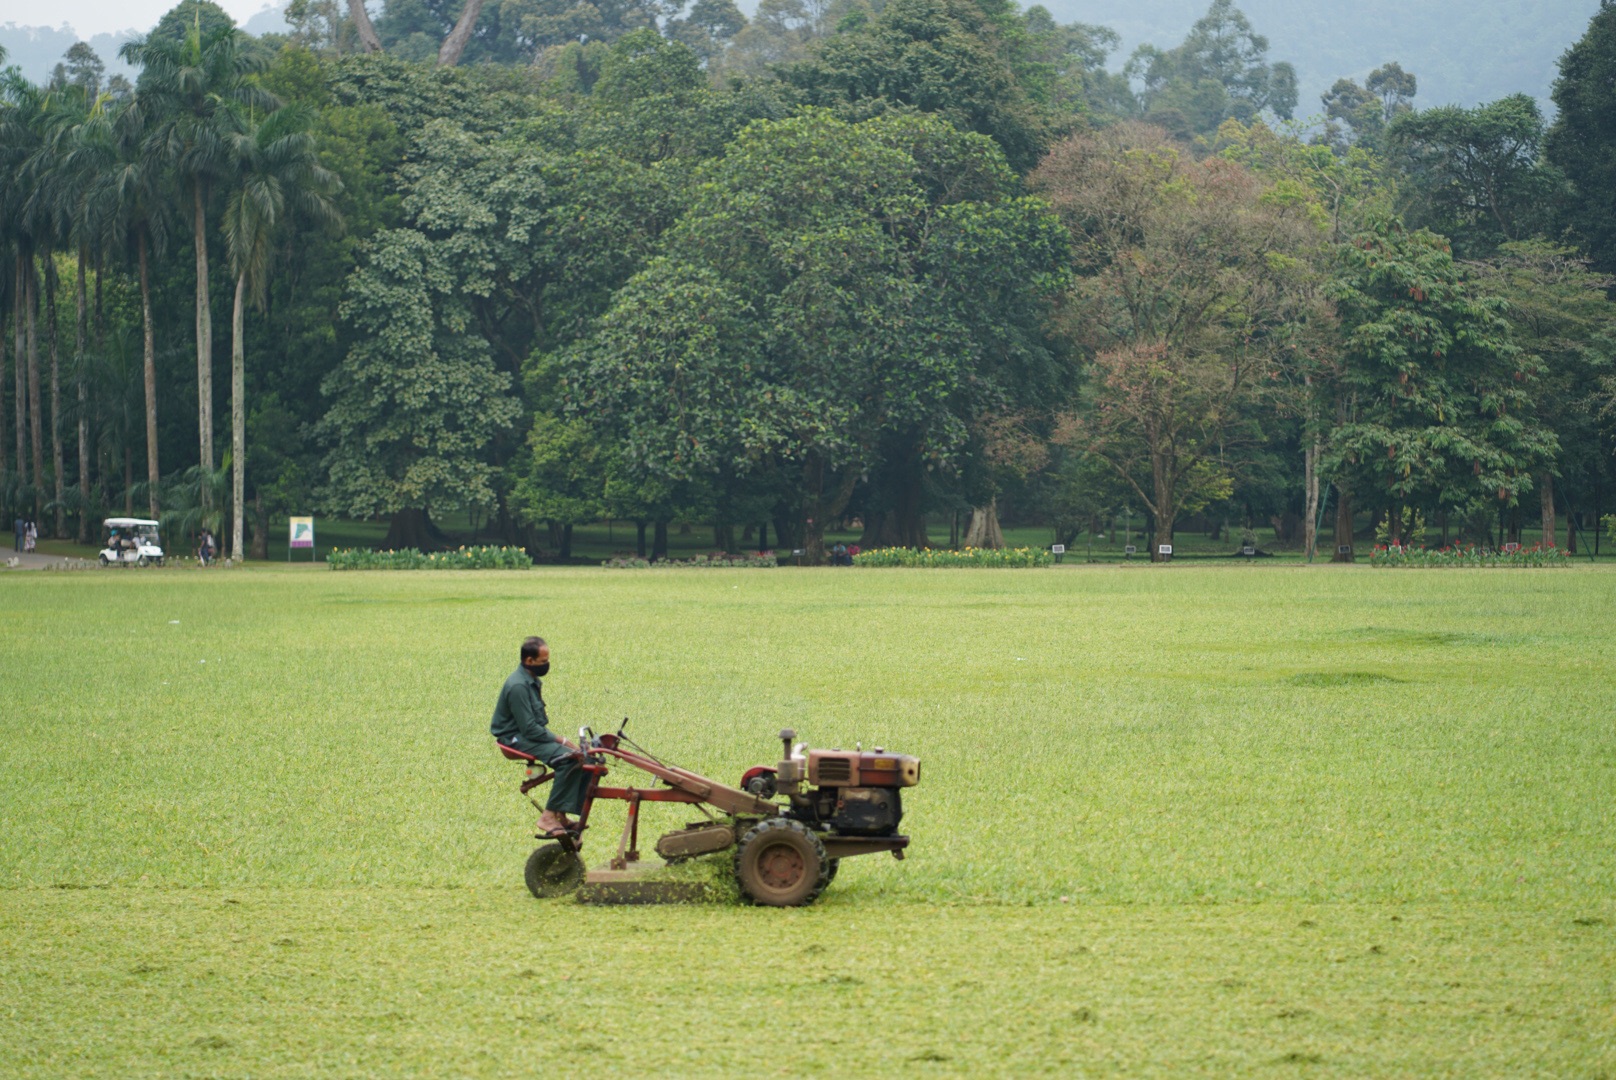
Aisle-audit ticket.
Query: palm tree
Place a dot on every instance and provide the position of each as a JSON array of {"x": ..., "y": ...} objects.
[
  {"x": 278, "y": 174},
  {"x": 130, "y": 197},
  {"x": 29, "y": 227},
  {"x": 190, "y": 88}
]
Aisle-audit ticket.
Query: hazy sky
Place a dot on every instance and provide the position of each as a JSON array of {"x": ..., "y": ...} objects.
[{"x": 91, "y": 17}]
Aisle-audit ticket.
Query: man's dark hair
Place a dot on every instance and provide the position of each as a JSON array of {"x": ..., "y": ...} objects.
[{"x": 531, "y": 647}]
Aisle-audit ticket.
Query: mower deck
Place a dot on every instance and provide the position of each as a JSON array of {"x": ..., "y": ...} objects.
[{"x": 636, "y": 885}]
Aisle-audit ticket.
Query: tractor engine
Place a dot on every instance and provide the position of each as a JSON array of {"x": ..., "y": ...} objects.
[{"x": 849, "y": 792}]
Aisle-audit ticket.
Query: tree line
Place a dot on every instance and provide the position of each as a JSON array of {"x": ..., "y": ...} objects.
[{"x": 549, "y": 263}]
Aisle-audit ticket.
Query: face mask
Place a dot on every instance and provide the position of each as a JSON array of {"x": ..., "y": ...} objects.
[{"x": 539, "y": 671}]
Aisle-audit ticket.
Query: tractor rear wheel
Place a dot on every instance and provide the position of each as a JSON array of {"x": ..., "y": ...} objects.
[
  {"x": 780, "y": 863},
  {"x": 553, "y": 871}
]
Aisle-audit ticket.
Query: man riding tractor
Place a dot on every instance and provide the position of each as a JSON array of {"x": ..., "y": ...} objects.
[{"x": 521, "y": 727}]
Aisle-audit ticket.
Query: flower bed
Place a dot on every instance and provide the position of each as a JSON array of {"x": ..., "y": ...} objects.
[
  {"x": 1467, "y": 555},
  {"x": 718, "y": 560},
  {"x": 466, "y": 558},
  {"x": 943, "y": 558}
]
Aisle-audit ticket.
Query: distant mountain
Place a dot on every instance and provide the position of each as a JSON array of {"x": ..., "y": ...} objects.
[{"x": 1463, "y": 51}]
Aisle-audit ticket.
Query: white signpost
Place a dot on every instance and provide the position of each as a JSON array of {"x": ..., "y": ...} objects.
[
  {"x": 300, "y": 534},
  {"x": 1165, "y": 551}
]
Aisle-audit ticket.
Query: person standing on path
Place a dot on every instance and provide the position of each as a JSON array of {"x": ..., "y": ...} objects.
[
  {"x": 521, "y": 723},
  {"x": 16, "y": 535}
]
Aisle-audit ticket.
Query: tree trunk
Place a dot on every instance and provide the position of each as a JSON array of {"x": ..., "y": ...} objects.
[
  {"x": 724, "y": 538},
  {"x": 763, "y": 536},
  {"x": 984, "y": 531},
  {"x": 1310, "y": 528},
  {"x": 204, "y": 341},
  {"x": 566, "y": 541},
  {"x": 364, "y": 27},
  {"x": 639, "y": 537},
  {"x": 260, "y": 538},
  {"x": 1394, "y": 525},
  {"x": 153, "y": 477},
  {"x": 659, "y": 541},
  {"x": 19, "y": 352},
  {"x": 36, "y": 431},
  {"x": 820, "y": 507},
  {"x": 81, "y": 331},
  {"x": 455, "y": 43},
  {"x": 129, "y": 483},
  {"x": 413, "y": 528},
  {"x": 783, "y": 522},
  {"x": 5, "y": 463},
  {"x": 1545, "y": 487},
  {"x": 238, "y": 419},
  {"x": 1164, "y": 507},
  {"x": 1343, "y": 524},
  {"x": 58, "y": 485},
  {"x": 1571, "y": 529}
]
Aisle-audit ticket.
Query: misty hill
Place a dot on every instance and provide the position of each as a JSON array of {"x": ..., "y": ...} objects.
[{"x": 1463, "y": 51}]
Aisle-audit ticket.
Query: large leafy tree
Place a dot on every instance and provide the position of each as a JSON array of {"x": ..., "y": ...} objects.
[
  {"x": 1440, "y": 410},
  {"x": 832, "y": 284},
  {"x": 1220, "y": 72},
  {"x": 1474, "y": 175},
  {"x": 417, "y": 400},
  {"x": 1559, "y": 311},
  {"x": 1191, "y": 280},
  {"x": 1582, "y": 142},
  {"x": 932, "y": 56},
  {"x": 192, "y": 86}
]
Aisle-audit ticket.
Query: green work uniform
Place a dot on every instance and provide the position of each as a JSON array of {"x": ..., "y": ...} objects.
[{"x": 521, "y": 723}]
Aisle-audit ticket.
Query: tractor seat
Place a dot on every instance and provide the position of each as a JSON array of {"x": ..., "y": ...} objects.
[{"x": 514, "y": 755}]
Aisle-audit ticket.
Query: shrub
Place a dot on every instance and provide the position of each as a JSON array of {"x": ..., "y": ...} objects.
[
  {"x": 1466, "y": 555},
  {"x": 942, "y": 558},
  {"x": 465, "y": 558},
  {"x": 717, "y": 560}
]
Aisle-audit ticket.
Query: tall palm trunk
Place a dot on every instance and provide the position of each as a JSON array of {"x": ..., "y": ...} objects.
[
  {"x": 204, "y": 340},
  {"x": 80, "y": 333},
  {"x": 58, "y": 487},
  {"x": 152, "y": 475},
  {"x": 19, "y": 299},
  {"x": 5, "y": 463},
  {"x": 36, "y": 434},
  {"x": 238, "y": 417}
]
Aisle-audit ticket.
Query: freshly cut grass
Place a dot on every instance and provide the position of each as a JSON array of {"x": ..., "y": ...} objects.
[{"x": 273, "y": 793}]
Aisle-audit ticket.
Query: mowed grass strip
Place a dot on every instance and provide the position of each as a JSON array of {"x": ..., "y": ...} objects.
[
  {"x": 1199, "y": 759},
  {"x": 397, "y": 982}
]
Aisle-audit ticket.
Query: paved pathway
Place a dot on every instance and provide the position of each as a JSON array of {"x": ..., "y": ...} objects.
[{"x": 28, "y": 560}]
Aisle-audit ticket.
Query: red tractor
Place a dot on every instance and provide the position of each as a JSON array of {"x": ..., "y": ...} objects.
[{"x": 838, "y": 803}]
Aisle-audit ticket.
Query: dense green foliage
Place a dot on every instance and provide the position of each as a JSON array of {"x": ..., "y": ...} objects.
[
  {"x": 833, "y": 266},
  {"x": 1170, "y": 823},
  {"x": 466, "y": 558},
  {"x": 940, "y": 558}
]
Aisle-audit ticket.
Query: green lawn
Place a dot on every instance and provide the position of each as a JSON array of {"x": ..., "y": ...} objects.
[{"x": 1173, "y": 820}]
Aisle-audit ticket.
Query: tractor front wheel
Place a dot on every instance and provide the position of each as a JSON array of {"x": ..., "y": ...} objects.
[
  {"x": 553, "y": 871},
  {"x": 780, "y": 863}
]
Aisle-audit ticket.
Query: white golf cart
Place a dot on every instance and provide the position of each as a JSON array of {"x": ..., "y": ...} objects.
[{"x": 130, "y": 542}]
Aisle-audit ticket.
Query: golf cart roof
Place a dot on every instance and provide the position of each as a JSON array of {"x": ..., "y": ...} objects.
[{"x": 128, "y": 523}]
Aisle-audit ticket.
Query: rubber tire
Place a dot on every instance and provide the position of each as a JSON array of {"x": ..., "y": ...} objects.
[
  {"x": 553, "y": 871},
  {"x": 141, "y": 561},
  {"x": 104, "y": 560},
  {"x": 766, "y": 840},
  {"x": 835, "y": 865}
]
